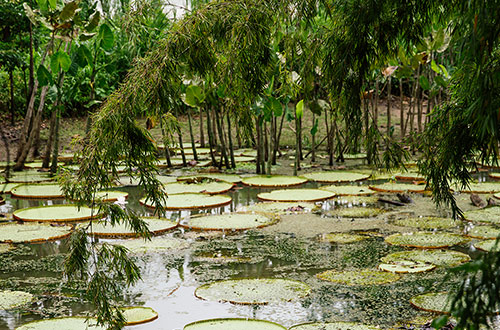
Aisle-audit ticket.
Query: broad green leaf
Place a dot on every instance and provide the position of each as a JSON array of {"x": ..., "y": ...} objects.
[
  {"x": 43, "y": 75},
  {"x": 198, "y": 93},
  {"x": 299, "y": 109},
  {"x": 106, "y": 36},
  {"x": 43, "y": 5},
  {"x": 53, "y": 4},
  {"x": 315, "y": 107},
  {"x": 192, "y": 94},
  {"x": 85, "y": 53},
  {"x": 444, "y": 71},
  {"x": 440, "y": 81},
  {"x": 438, "y": 39},
  {"x": 30, "y": 14},
  {"x": 60, "y": 61},
  {"x": 314, "y": 129},
  {"x": 435, "y": 67},
  {"x": 439, "y": 322},
  {"x": 93, "y": 21},
  {"x": 424, "y": 83},
  {"x": 277, "y": 107},
  {"x": 221, "y": 92},
  {"x": 68, "y": 11},
  {"x": 86, "y": 36},
  {"x": 402, "y": 56}
]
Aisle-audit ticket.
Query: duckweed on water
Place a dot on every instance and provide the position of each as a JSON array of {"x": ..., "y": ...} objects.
[
  {"x": 5, "y": 247},
  {"x": 342, "y": 238},
  {"x": 233, "y": 324},
  {"x": 253, "y": 291},
  {"x": 358, "y": 277},
  {"x": 447, "y": 258},
  {"x": 333, "y": 326},
  {"x": 155, "y": 244},
  {"x": 426, "y": 240}
]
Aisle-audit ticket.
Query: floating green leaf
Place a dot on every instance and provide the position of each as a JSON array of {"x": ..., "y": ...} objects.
[
  {"x": 446, "y": 258},
  {"x": 13, "y": 299},
  {"x": 253, "y": 291},
  {"x": 355, "y": 212},
  {"x": 406, "y": 266},
  {"x": 62, "y": 323},
  {"x": 273, "y": 181},
  {"x": 336, "y": 176},
  {"x": 215, "y": 187},
  {"x": 138, "y": 315},
  {"x": 5, "y": 247},
  {"x": 358, "y": 277},
  {"x": 280, "y": 207},
  {"x": 215, "y": 176},
  {"x": 30, "y": 177},
  {"x": 333, "y": 326},
  {"x": 32, "y": 232},
  {"x": 38, "y": 191},
  {"x": 487, "y": 215},
  {"x": 55, "y": 213},
  {"x": 155, "y": 225},
  {"x": 192, "y": 201},
  {"x": 427, "y": 223},
  {"x": 351, "y": 190},
  {"x": 398, "y": 187},
  {"x": 432, "y": 302},
  {"x": 426, "y": 240},
  {"x": 154, "y": 245},
  {"x": 484, "y": 232},
  {"x": 488, "y": 246},
  {"x": 231, "y": 221},
  {"x": 233, "y": 324},
  {"x": 296, "y": 195}
]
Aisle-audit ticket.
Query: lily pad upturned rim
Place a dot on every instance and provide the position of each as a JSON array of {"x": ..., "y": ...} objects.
[
  {"x": 271, "y": 220},
  {"x": 295, "y": 181},
  {"x": 18, "y": 298},
  {"x": 488, "y": 245},
  {"x": 6, "y": 188},
  {"x": 195, "y": 325},
  {"x": 30, "y": 178},
  {"x": 16, "y": 216},
  {"x": 307, "y": 207},
  {"x": 39, "y": 239},
  {"x": 152, "y": 317},
  {"x": 426, "y": 256},
  {"x": 417, "y": 305},
  {"x": 398, "y": 188},
  {"x": 391, "y": 239},
  {"x": 486, "y": 215},
  {"x": 32, "y": 325},
  {"x": 2, "y": 201},
  {"x": 409, "y": 268},
  {"x": 233, "y": 178},
  {"x": 483, "y": 235},
  {"x": 16, "y": 194},
  {"x": 131, "y": 234},
  {"x": 385, "y": 277},
  {"x": 335, "y": 326},
  {"x": 227, "y": 201},
  {"x": 304, "y": 287},
  {"x": 226, "y": 186},
  {"x": 317, "y": 176},
  {"x": 267, "y": 196},
  {"x": 434, "y": 222},
  {"x": 348, "y": 190}
]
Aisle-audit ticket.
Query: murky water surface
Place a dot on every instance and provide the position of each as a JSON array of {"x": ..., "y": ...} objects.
[{"x": 289, "y": 249}]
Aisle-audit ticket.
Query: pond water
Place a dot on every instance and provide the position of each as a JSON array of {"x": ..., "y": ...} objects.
[{"x": 289, "y": 249}]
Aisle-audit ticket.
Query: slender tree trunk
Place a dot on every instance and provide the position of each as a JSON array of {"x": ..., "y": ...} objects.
[
  {"x": 377, "y": 91},
  {"x": 202, "y": 134},
  {"x": 301, "y": 156},
  {"x": 12, "y": 109},
  {"x": 166, "y": 148},
  {"x": 48, "y": 147},
  {"x": 266, "y": 141},
  {"x": 210, "y": 139},
  {"x": 230, "y": 140},
  {"x": 401, "y": 110},
  {"x": 36, "y": 142},
  {"x": 296, "y": 166},
  {"x": 419, "y": 110},
  {"x": 193, "y": 144},
  {"x": 389, "y": 104},
  {"x": 214, "y": 128},
  {"x": 238, "y": 135},
  {"x": 270, "y": 147},
  {"x": 31, "y": 66},
  {"x": 259, "y": 150},
  {"x": 313, "y": 142},
  {"x": 277, "y": 143},
  {"x": 262, "y": 148},
  {"x": 55, "y": 150},
  {"x": 183, "y": 154},
  {"x": 221, "y": 139}
]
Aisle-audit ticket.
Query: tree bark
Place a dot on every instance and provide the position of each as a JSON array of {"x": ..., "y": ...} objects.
[
  {"x": 221, "y": 139},
  {"x": 48, "y": 147},
  {"x": 402, "y": 109},
  {"x": 230, "y": 139},
  {"x": 202, "y": 134},
  {"x": 210, "y": 138},
  {"x": 389, "y": 104},
  {"x": 12, "y": 109},
  {"x": 193, "y": 143}
]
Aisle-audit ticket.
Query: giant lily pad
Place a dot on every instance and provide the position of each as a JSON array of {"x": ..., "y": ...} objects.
[
  {"x": 356, "y": 200},
  {"x": 447, "y": 258},
  {"x": 38, "y": 191},
  {"x": 494, "y": 175},
  {"x": 296, "y": 195},
  {"x": 192, "y": 201},
  {"x": 398, "y": 187},
  {"x": 436, "y": 302},
  {"x": 426, "y": 240},
  {"x": 273, "y": 181},
  {"x": 359, "y": 155},
  {"x": 215, "y": 176},
  {"x": 32, "y": 232},
  {"x": 249, "y": 153},
  {"x": 229, "y": 221},
  {"x": 30, "y": 177},
  {"x": 336, "y": 176},
  {"x": 358, "y": 277},
  {"x": 280, "y": 207},
  {"x": 484, "y": 232},
  {"x": 405, "y": 266},
  {"x": 427, "y": 223},
  {"x": 215, "y": 187},
  {"x": 55, "y": 213},
  {"x": 349, "y": 190},
  {"x": 155, "y": 225},
  {"x": 154, "y": 245},
  {"x": 166, "y": 179},
  {"x": 342, "y": 238},
  {"x": 487, "y": 215},
  {"x": 410, "y": 176},
  {"x": 233, "y": 324},
  {"x": 7, "y": 187},
  {"x": 333, "y": 326},
  {"x": 111, "y": 196},
  {"x": 243, "y": 159},
  {"x": 251, "y": 291},
  {"x": 138, "y": 315},
  {"x": 355, "y": 212},
  {"x": 13, "y": 299},
  {"x": 488, "y": 246},
  {"x": 62, "y": 323},
  {"x": 482, "y": 188},
  {"x": 5, "y": 247}
]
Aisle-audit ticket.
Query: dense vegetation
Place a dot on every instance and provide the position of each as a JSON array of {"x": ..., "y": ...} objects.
[{"x": 248, "y": 67}]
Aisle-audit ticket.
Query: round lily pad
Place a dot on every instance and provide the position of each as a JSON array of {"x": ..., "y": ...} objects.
[
  {"x": 426, "y": 240},
  {"x": 32, "y": 232},
  {"x": 358, "y": 277},
  {"x": 488, "y": 246},
  {"x": 214, "y": 187},
  {"x": 484, "y": 232},
  {"x": 38, "y": 191},
  {"x": 359, "y": 155},
  {"x": 154, "y": 245},
  {"x": 6, "y": 188},
  {"x": 355, "y": 212},
  {"x": 482, "y": 188},
  {"x": 62, "y": 323},
  {"x": 398, "y": 187},
  {"x": 66, "y": 157},
  {"x": 409, "y": 176},
  {"x": 233, "y": 324},
  {"x": 333, "y": 326},
  {"x": 351, "y": 190},
  {"x": 230, "y": 221},
  {"x": 55, "y": 213},
  {"x": 336, "y": 176},
  {"x": 111, "y": 195},
  {"x": 215, "y": 176},
  {"x": 427, "y": 223},
  {"x": 436, "y": 302},
  {"x": 156, "y": 226},
  {"x": 166, "y": 179},
  {"x": 273, "y": 181},
  {"x": 249, "y": 153},
  {"x": 447, "y": 258},
  {"x": 13, "y": 299},
  {"x": 243, "y": 159},
  {"x": 280, "y": 207},
  {"x": 494, "y": 175},
  {"x": 5, "y": 247},
  {"x": 406, "y": 266},
  {"x": 30, "y": 177},
  {"x": 487, "y": 215},
  {"x": 342, "y": 238},
  {"x": 138, "y": 315},
  {"x": 192, "y": 201},
  {"x": 296, "y": 195},
  {"x": 356, "y": 200},
  {"x": 250, "y": 291}
]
